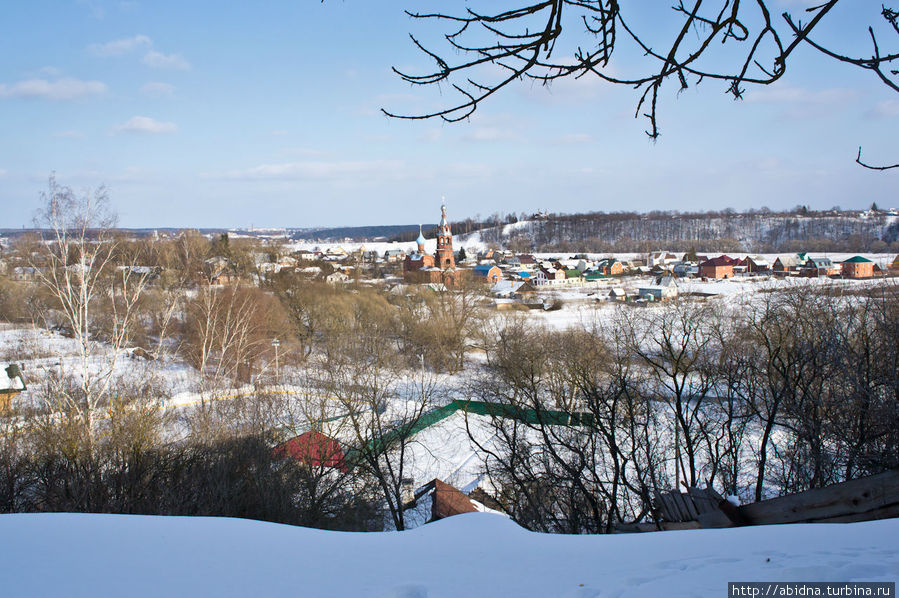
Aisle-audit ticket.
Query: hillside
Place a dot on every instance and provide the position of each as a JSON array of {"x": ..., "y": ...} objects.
[
  {"x": 713, "y": 231},
  {"x": 468, "y": 555}
]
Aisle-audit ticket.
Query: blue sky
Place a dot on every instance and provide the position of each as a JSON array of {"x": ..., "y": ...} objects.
[{"x": 267, "y": 114}]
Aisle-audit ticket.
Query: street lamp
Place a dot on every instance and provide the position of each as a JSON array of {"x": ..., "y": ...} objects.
[{"x": 276, "y": 343}]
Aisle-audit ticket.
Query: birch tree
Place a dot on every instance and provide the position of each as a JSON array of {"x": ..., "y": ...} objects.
[{"x": 80, "y": 268}]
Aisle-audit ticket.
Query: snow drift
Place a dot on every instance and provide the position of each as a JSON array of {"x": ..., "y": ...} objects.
[{"x": 466, "y": 555}]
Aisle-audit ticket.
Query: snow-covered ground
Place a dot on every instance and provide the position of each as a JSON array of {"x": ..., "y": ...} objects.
[{"x": 467, "y": 555}]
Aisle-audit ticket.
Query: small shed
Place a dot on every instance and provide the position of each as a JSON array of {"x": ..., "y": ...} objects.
[{"x": 11, "y": 386}]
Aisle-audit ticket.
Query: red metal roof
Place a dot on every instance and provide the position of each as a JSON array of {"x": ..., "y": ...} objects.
[{"x": 314, "y": 449}]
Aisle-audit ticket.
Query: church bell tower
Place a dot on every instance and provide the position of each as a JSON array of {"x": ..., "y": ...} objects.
[{"x": 445, "y": 258}]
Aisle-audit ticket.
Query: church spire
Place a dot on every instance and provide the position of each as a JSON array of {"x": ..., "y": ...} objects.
[{"x": 421, "y": 241}]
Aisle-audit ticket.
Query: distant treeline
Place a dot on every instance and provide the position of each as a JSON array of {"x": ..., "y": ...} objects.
[
  {"x": 754, "y": 231},
  {"x": 408, "y": 232}
]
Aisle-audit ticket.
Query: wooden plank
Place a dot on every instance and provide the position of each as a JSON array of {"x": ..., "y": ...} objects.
[
  {"x": 705, "y": 500},
  {"x": 883, "y": 513},
  {"x": 678, "y": 511},
  {"x": 669, "y": 508},
  {"x": 713, "y": 520},
  {"x": 855, "y": 497},
  {"x": 679, "y": 525},
  {"x": 687, "y": 502}
]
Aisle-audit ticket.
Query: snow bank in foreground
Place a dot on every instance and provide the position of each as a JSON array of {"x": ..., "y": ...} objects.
[{"x": 467, "y": 555}]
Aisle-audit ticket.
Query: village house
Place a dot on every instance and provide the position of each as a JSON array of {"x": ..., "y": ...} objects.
[
  {"x": 894, "y": 267},
  {"x": 787, "y": 264},
  {"x": 336, "y": 277},
  {"x": 609, "y": 267},
  {"x": 335, "y": 254},
  {"x": 665, "y": 288},
  {"x": 685, "y": 269},
  {"x": 549, "y": 276},
  {"x": 487, "y": 254},
  {"x": 660, "y": 258},
  {"x": 717, "y": 268},
  {"x": 819, "y": 266},
  {"x": 573, "y": 276},
  {"x": 288, "y": 262},
  {"x": 857, "y": 267},
  {"x": 220, "y": 271},
  {"x": 395, "y": 255},
  {"x": 756, "y": 264},
  {"x": 313, "y": 449},
  {"x": 487, "y": 272},
  {"x": 617, "y": 294},
  {"x": 526, "y": 260},
  {"x": 513, "y": 289},
  {"x": 24, "y": 273}
]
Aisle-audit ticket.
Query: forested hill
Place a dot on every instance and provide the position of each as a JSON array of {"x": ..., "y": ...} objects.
[{"x": 758, "y": 232}]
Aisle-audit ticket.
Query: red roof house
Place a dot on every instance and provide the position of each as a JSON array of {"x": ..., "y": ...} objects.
[
  {"x": 718, "y": 267},
  {"x": 314, "y": 449}
]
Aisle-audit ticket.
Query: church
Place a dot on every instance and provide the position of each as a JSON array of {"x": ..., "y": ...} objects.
[{"x": 439, "y": 268}]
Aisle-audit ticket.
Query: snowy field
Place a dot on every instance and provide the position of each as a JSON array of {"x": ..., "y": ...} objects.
[{"x": 468, "y": 555}]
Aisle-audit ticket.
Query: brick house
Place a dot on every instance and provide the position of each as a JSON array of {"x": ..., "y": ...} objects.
[
  {"x": 488, "y": 273},
  {"x": 718, "y": 267},
  {"x": 609, "y": 267},
  {"x": 857, "y": 267}
]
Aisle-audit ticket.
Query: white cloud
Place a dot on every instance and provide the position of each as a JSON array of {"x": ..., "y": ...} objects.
[
  {"x": 2, "y": 173},
  {"x": 316, "y": 170},
  {"x": 157, "y": 89},
  {"x": 885, "y": 109},
  {"x": 61, "y": 89},
  {"x": 49, "y": 71},
  {"x": 145, "y": 124},
  {"x": 120, "y": 46},
  {"x": 158, "y": 60}
]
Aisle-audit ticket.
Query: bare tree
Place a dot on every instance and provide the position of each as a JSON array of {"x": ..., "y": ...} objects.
[
  {"x": 80, "y": 268},
  {"x": 674, "y": 342},
  {"x": 381, "y": 410}
]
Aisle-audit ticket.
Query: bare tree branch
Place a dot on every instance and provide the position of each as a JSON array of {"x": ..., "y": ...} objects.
[
  {"x": 858, "y": 160},
  {"x": 509, "y": 40}
]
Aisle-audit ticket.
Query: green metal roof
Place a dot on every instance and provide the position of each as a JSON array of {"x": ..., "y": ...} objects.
[{"x": 858, "y": 260}]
